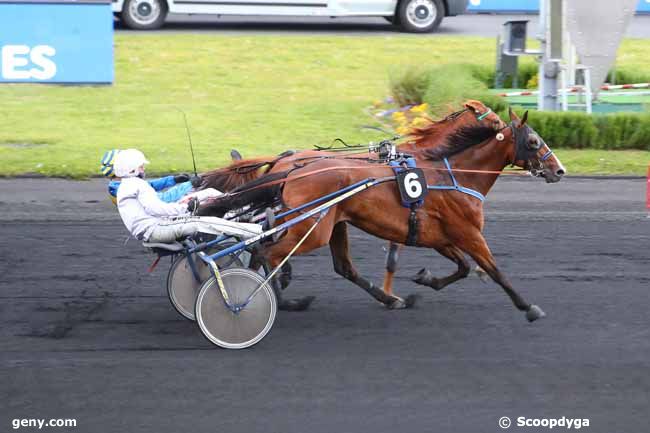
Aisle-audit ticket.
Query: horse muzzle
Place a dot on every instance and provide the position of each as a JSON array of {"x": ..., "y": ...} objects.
[{"x": 553, "y": 176}]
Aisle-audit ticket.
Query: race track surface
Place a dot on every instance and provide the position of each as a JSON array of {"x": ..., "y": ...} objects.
[{"x": 86, "y": 333}]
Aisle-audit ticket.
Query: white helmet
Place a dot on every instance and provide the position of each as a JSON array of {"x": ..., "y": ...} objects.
[{"x": 127, "y": 162}]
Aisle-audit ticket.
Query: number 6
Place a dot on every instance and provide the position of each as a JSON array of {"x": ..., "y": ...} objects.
[{"x": 412, "y": 185}]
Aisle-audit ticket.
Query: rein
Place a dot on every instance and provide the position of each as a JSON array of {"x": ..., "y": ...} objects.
[
  {"x": 519, "y": 172},
  {"x": 447, "y": 168}
]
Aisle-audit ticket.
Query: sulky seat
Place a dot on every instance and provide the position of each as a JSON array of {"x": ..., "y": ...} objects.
[{"x": 173, "y": 247}]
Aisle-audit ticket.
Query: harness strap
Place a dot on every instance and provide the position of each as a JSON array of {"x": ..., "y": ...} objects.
[
  {"x": 310, "y": 173},
  {"x": 455, "y": 186},
  {"x": 547, "y": 155},
  {"x": 484, "y": 115},
  {"x": 412, "y": 236}
]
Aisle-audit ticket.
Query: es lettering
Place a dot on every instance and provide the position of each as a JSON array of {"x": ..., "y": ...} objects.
[{"x": 20, "y": 62}]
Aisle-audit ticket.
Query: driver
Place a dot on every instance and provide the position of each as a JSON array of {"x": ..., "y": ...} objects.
[
  {"x": 150, "y": 219},
  {"x": 169, "y": 188}
]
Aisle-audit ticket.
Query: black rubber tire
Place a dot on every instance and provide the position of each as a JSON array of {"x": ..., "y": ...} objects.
[
  {"x": 133, "y": 24},
  {"x": 409, "y": 27}
]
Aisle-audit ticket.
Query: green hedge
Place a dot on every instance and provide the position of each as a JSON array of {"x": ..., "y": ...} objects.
[{"x": 446, "y": 87}]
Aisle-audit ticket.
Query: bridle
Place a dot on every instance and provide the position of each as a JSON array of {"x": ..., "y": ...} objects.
[{"x": 523, "y": 152}]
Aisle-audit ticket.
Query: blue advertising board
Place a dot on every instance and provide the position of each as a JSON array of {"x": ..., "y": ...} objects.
[
  {"x": 62, "y": 42},
  {"x": 527, "y": 6}
]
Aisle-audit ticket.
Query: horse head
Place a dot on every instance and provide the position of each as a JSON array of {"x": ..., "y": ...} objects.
[{"x": 531, "y": 151}]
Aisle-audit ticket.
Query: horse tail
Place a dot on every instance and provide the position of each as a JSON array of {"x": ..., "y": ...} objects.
[
  {"x": 238, "y": 173},
  {"x": 254, "y": 194}
]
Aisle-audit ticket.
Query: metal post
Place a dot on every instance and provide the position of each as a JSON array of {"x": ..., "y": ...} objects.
[
  {"x": 541, "y": 36},
  {"x": 551, "y": 16}
]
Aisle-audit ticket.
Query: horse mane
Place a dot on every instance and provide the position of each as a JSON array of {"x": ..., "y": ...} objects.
[
  {"x": 419, "y": 135},
  {"x": 236, "y": 174},
  {"x": 255, "y": 194},
  {"x": 464, "y": 138}
]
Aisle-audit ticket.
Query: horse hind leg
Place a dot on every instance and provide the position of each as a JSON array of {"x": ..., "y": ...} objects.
[
  {"x": 392, "y": 256},
  {"x": 454, "y": 254},
  {"x": 339, "y": 246},
  {"x": 477, "y": 248}
]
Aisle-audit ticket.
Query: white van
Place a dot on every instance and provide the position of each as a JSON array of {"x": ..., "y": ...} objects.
[{"x": 416, "y": 16}]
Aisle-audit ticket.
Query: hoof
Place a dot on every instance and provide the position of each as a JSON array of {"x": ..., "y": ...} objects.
[
  {"x": 410, "y": 300},
  {"x": 296, "y": 304},
  {"x": 423, "y": 277},
  {"x": 534, "y": 313},
  {"x": 401, "y": 304},
  {"x": 426, "y": 278}
]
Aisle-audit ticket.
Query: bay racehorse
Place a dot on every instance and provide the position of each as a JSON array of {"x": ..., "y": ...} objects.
[
  {"x": 419, "y": 139},
  {"x": 449, "y": 221}
]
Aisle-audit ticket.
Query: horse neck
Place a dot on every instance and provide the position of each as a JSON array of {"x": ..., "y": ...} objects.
[
  {"x": 492, "y": 156},
  {"x": 437, "y": 132}
]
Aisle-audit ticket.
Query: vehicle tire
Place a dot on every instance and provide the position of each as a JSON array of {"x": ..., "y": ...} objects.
[
  {"x": 144, "y": 14},
  {"x": 420, "y": 16},
  {"x": 236, "y": 330},
  {"x": 182, "y": 287}
]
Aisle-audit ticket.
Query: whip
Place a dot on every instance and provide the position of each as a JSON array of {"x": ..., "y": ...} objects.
[{"x": 189, "y": 138}]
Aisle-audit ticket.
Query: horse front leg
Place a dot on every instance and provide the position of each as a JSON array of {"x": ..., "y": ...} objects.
[
  {"x": 454, "y": 254},
  {"x": 475, "y": 245},
  {"x": 339, "y": 246}
]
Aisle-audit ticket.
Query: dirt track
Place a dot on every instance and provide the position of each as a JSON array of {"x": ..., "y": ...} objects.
[{"x": 86, "y": 333}]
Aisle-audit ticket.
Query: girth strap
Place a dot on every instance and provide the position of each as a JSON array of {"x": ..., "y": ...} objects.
[{"x": 412, "y": 236}]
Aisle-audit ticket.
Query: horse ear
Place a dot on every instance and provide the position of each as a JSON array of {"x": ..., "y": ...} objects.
[
  {"x": 524, "y": 118},
  {"x": 513, "y": 116},
  {"x": 476, "y": 106}
]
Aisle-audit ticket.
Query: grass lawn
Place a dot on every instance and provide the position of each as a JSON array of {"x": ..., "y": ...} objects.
[
  {"x": 621, "y": 162},
  {"x": 259, "y": 94}
]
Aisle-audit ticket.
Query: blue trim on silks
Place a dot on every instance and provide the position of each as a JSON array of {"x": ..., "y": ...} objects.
[
  {"x": 113, "y": 185},
  {"x": 170, "y": 195},
  {"x": 455, "y": 186},
  {"x": 175, "y": 193},
  {"x": 547, "y": 155},
  {"x": 398, "y": 167},
  {"x": 162, "y": 183}
]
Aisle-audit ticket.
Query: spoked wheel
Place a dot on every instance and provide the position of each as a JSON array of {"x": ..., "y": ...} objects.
[
  {"x": 236, "y": 330},
  {"x": 182, "y": 287}
]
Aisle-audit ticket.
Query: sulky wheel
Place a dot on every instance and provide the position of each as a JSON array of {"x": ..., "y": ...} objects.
[
  {"x": 182, "y": 287},
  {"x": 236, "y": 330}
]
